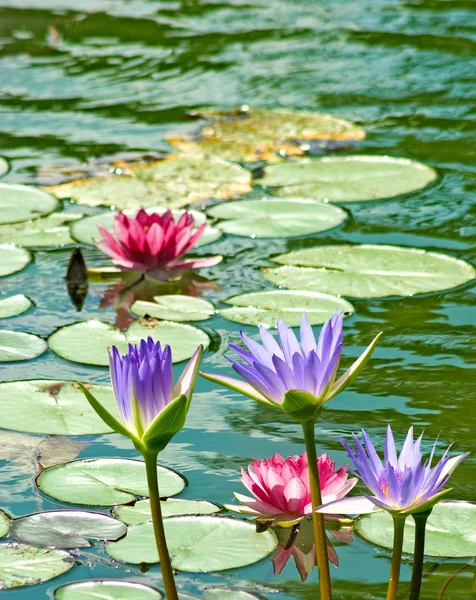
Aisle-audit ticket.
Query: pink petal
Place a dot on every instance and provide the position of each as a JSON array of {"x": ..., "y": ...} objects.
[
  {"x": 295, "y": 493},
  {"x": 197, "y": 263},
  {"x": 352, "y": 505}
]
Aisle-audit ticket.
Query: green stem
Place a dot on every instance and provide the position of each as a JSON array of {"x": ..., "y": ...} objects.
[
  {"x": 317, "y": 519},
  {"x": 418, "y": 553},
  {"x": 398, "y": 530},
  {"x": 153, "y": 482}
]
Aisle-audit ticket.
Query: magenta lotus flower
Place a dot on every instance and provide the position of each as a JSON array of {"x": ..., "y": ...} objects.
[
  {"x": 281, "y": 489},
  {"x": 153, "y": 242},
  {"x": 401, "y": 484}
]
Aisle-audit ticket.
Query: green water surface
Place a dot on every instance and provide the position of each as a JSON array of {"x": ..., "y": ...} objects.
[{"x": 95, "y": 77}]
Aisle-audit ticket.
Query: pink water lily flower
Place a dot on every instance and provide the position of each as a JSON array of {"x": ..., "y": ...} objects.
[
  {"x": 281, "y": 489},
  {"x": 153, "y": 242}
]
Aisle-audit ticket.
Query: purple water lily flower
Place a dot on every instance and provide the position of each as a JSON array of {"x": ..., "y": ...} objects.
[
  {"x": 276, "y": 367},
  {"x": 401, "y": 484},
  {"x": 151, "y": 406}
]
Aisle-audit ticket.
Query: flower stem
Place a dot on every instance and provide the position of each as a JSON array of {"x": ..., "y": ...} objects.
[
  {"x": 418, "y": 553},
  {"x": 398, "y": 530},
  {"x": 317, "y": 519},
  {"x": 153, "y": 482}
]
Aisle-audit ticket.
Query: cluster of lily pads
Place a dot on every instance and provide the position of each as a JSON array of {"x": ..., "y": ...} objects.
[{"x": 286, "y": 194}]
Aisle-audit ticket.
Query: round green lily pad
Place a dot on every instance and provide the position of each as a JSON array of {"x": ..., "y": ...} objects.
[
  {"x": 450, "y": 530},
  {"x": 86, "y": 229},
  {"x": 348, "y": 178},
  {"x": 197, "y": 544},
  {"x": 51, "y": 231},
  {"x": 22, "y": 203},
  {"x": 53, "y": 407},
  {"x": 140, "y": 512},
  {"x": 368, "y": 271},
  {"x": 270, "y": 218},
  {"x": 265, "y": 308},
  {"x": 173, "y": 182},
  {"x": 175, "y": 308},
  {"x": 105, "y": 481},
  {"x": 4, "y": 524},
  {"x": 16, "y": 346},
  {"x": 12, "y": 259},
  {"x": 66, "y": 528},
  {"x": 87, "y": 341},
  {"x": 14, "y": 305},
  {"x": 251, "y": 134},
  {"x": 4, "y": 167},
  {"x": 22, "y": 565},
  {"x": 106, "y": 590}
]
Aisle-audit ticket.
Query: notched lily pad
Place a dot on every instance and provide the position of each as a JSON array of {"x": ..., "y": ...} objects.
[
  {"x": 86, "y": 229},
  {"x": 17, "y": 346},
  {"x": 251, "y": 134},
  {"x": 140, "y": 512},
  {"x": 53, "y": 407},
  {"x": 22, "y": 565},
  {"x": 173, "y": 182},
  {"x": 87, "y": 342},
  {"x": 107, "y": 590},
  {"x": 51, "y": 231},
  {"x": 348, "y": 178},
  {"x": 274, "y": 217},
  {"x": 197, "y": 544},
  {"x": 265, "y": 308},
  {"x": 369, "y": 271},
  {"x": 66, "y": 528},
  {"x": 22, "y": 203},
  {"x": 175, "y": 307},
  {"x": 450, "y": 530},
  {"x": 12, "y": 259},
  {"x": 14, "y": 306},
  {"x": 105, "y": 481}
]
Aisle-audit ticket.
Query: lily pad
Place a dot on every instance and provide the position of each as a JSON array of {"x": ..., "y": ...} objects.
[
  {"x": 450, "y": 530},
  {"x": 197, "y": 544},
  {"x": 12, "y": 259},
  {"x": 14, "y": 306},
  {"x": 66, "y": 528},
  {"x": 22, "y": 203},
  {"x": 52, "y": 407},
  {"x": 175, "y": 308},
  {"x": 50, "y": 231},
  {"x": 176, "y": 181},
  {"x": 348, "y": 178},
  {"x": 22, "y": 565},
  {"x": 106, "y": 590},
  {"x": 140, "y": 512},
  {"x": 86, "y": 229},
  {"x": 251, "y": 134},
  {"x": 265, "y": 308},
  {"x": 227, "y": 593},
  {"x": 86, "y": 342},
  {"x": 270, "y": 217},
  {"x": 105, "y": 481},
  {"x": 369, "y": 271},
  {"x": 4, "y": 524},
  {"x": 16, "y": 346},
  {"x": 4, "y": 167}
]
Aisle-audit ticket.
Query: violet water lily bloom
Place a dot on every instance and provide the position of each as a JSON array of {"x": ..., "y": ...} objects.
[
  {"x": 153, "y": 242},
  {"x": 281, "y": 489},
  {"x": 401, "y": 484},
  {"x": 297, "y": 376},
  {"x": 152, "y": 407}
]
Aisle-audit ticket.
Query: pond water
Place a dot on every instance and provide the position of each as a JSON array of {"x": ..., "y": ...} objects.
[{"x": 120, "y": 75}]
